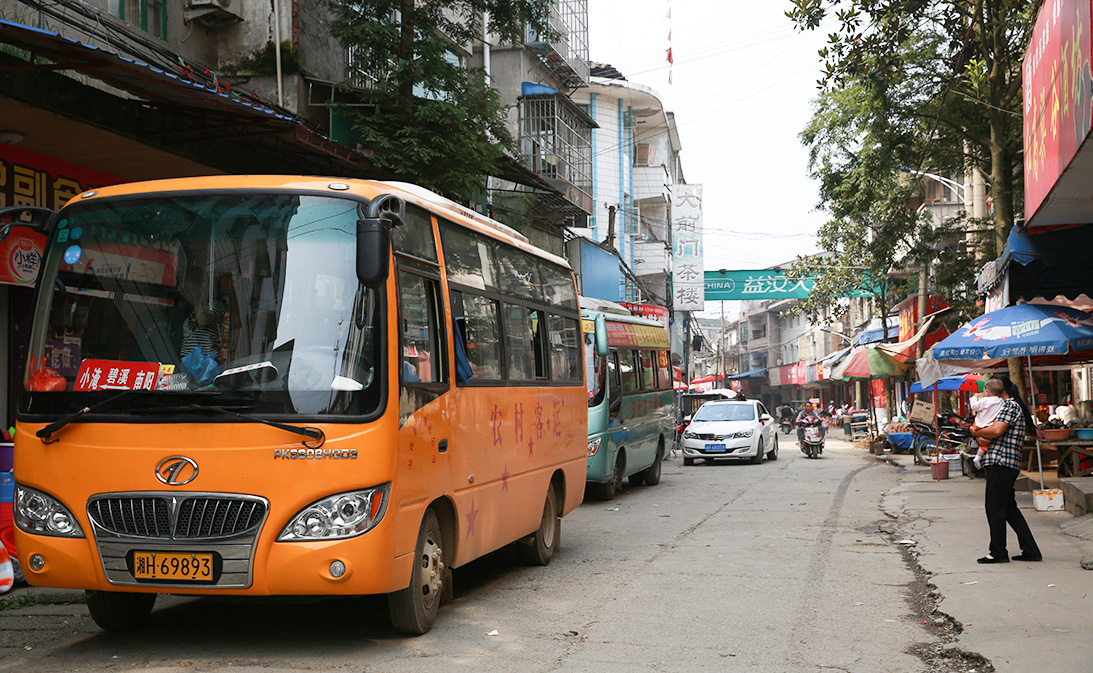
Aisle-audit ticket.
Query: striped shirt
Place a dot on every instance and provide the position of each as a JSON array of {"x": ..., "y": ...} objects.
[
  {"x": 207, "y": 336},
  {"x": 1005, "y": 449}
]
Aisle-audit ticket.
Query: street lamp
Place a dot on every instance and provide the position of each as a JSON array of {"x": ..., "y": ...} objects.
[
  {"x": 838, "y": 334},
  {"x": 948, "y": 182}
]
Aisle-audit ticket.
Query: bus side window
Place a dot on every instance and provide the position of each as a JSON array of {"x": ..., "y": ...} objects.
[
  {"x": 479, "y": 323},
  {"x": 628, "y": 371},
  {"x": 526, "y": 345},
  {"x": 648, "y": 375},
  {"x": 664, "y": 370},
  {"x": 614, "y": 390}
]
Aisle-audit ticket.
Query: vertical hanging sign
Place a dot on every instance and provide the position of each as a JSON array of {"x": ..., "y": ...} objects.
[{"x": 688, "y": 282}]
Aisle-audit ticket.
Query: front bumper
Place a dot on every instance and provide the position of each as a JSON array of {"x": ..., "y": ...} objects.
[{"x": 734, "y": 448}]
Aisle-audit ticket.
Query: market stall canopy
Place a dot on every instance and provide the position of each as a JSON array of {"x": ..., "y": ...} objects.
[
  {"x": 905, "y": 350},
  {"x": 875, "y": 334},
  {"x": 964, "y": 382},
  {"x": 1019, "y": 331},
  {"x": 868, "y": 362},
  {"x": 753, "y": 374},
  {"x": 1051, "y": 267}
]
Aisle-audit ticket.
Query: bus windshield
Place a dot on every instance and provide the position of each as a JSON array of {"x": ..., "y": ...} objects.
[{"x": 252, "y": 294}]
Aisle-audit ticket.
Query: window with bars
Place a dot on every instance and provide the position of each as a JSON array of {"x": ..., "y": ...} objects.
[{"x": 555, "y": 140}]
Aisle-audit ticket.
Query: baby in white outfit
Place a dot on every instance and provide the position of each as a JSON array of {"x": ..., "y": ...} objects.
[{"x": 986, "y": 407}]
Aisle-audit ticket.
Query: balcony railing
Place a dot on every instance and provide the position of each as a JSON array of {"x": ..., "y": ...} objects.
[
  {"x": 566, "y": 55},
  {"x": 556, "y": 143},
  {"x": 651, "y": 182},
  {"x": 651, "y": 258}
]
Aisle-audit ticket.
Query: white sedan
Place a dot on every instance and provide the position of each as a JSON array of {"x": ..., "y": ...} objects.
[{"x": 730, "y": 429}]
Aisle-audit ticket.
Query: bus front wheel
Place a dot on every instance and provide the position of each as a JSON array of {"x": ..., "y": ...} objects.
[
  {"x": 540, "y": 548},
  {"x": 608, "y": 490},
  {"x": 414, "y": 608},
  {"x": 119, "y": 611}
]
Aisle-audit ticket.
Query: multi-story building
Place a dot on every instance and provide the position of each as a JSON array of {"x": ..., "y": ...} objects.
[
  {"x": 536, "y": 78},
  {"x": 97, "y": 92}
]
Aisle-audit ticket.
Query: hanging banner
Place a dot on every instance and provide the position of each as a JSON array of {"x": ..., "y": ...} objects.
[{"x": 687, "y": 280}]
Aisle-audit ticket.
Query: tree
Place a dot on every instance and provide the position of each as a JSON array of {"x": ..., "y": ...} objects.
[
  {"x": 969, "y": 79},
  {"x": 432, "y": 121},
  {"x": 919, "y": 85}
]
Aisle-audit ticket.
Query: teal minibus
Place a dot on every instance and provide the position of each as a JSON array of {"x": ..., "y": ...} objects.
[{"x": 631, "y": 404}]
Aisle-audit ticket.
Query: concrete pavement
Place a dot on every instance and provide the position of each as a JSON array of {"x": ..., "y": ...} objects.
[{"x": 1019, "y": 616}]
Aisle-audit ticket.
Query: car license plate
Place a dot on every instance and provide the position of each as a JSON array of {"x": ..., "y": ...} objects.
[
  {"x": 715, "y": 447},
  {"x": 172, "y": 566}
]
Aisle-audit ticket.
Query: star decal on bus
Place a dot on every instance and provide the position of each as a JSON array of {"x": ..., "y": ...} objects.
[{"x": 472, "y": 515}]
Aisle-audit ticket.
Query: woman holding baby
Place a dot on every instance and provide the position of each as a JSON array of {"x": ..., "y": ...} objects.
[{"x": 1005, "y": 435}]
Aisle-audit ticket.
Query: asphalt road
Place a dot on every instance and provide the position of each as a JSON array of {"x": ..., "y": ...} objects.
[{"x": 783, "y": 566}]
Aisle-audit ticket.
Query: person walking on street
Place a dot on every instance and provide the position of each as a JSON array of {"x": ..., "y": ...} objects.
[{"x": 1003, "y": 464}]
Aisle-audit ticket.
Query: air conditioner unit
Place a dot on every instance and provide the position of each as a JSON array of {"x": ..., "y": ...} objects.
[{"x": 212, "y": 13}]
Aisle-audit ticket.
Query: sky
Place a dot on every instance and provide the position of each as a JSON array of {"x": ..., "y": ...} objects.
[{"x": 741, "y": 89}]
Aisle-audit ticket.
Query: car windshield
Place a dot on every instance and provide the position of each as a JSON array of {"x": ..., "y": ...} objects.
[
  {"x": 252, "y": 293},
  {"x": 725, "y": 412}
]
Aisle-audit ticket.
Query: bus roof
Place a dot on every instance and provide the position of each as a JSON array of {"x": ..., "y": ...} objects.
[
  {"x": 368, "y": 189},
  {"x": 623, "y": 328}
]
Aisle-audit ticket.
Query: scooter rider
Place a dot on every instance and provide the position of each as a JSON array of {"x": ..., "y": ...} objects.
[{"x": 807, "y": 414}]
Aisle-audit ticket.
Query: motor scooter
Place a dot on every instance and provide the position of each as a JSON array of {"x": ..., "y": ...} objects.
[
  {"x": 787, "y": 425},
  {"x": 813, "y": 444}
]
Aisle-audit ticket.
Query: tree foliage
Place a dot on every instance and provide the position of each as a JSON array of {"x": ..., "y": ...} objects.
[
  {"x": 431, "y": 121},
  {"x": 911, "y": 87}
]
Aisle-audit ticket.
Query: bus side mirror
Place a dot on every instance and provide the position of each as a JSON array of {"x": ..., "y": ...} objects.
[
  {"x": 601, "y": 336},
  {"x": 32, "y": 217},
  {"x": 374, "y": 238}
]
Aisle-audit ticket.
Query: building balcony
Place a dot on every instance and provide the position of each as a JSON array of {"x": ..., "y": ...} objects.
[
  {"x": 556, "y": 144},
  {"x": 651, "y": 183},
  {"x": 651, "y": 258},
  {"x": 757, "y": 344},
  {"x": 566, "y": 55}
]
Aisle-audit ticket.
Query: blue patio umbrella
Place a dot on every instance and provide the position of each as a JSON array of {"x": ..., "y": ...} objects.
[
  {"x": 965, "y": 382},
  {"x": 1019, "y": 331},
  {"x": 1022, "y": 331}
]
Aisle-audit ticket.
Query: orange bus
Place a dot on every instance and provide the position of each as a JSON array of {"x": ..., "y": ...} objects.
[{"x": 266, "y": 385}]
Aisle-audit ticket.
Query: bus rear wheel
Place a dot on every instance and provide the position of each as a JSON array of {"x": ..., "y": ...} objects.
[
  {"x": 119, "y": 611},
  {"x": 539, "y": 550},
  {"x": 414, "y": 608},
  {"x": 651, "y": 475}
]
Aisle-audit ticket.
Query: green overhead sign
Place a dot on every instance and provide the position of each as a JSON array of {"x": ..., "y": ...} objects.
[{"x": 761, "y": 284}]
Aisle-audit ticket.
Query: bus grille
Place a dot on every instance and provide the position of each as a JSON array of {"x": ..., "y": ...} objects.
[{"x": 176, "y": 518}]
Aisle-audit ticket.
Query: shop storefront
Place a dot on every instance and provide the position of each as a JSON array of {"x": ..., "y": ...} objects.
[{"x": 30, "y": 179}]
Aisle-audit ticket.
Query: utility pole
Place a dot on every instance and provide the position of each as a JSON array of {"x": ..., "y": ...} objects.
[
  {"x": 611, "y": 225},
  {"x": 721, "y": 347}
]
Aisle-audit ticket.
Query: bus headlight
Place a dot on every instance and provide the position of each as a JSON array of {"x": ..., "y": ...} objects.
[
  {"x": 338, "y": 517},
  {"x": 594, "y": 445},
  {"x": 41, "y": 514}
]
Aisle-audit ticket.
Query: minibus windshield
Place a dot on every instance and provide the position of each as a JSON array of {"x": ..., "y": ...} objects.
[{"x": 253, "y": 294}]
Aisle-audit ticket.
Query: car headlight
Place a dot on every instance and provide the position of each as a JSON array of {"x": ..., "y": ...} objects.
[
  {"x": 594, "y": 446},
  {"x": 687, "y": 434},
  {"x": 338, "y": 517},
  {"x": 41, "y": 514},
  {"x": 743, "y": 433}
]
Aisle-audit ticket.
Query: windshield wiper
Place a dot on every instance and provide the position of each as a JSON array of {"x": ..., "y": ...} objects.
[
  {"x": 315, "y": 434},
  {"x": 45, "y": 433}
]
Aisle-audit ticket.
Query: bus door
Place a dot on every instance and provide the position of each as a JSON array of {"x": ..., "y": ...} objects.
[{"x": 423, "y": 385}]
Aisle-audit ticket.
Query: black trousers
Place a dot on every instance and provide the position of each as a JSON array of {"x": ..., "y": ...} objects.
[{"x": 1001, "y": 506}]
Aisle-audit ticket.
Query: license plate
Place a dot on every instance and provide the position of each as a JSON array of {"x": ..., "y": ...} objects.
[
  {"x": 173, "y": 566},
  {"x": 715, "y": 447}
]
